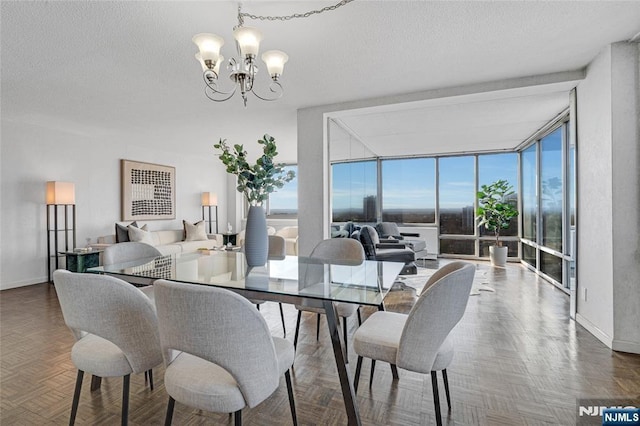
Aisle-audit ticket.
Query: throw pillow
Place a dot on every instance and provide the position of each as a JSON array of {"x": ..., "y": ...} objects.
[
  {"x": 140, "y": 235},
  {"x": 195, "y": 232},
  {"x": 122, "y": 233}
]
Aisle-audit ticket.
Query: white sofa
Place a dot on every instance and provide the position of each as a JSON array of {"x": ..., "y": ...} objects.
[{"x": 171, "y": 241}]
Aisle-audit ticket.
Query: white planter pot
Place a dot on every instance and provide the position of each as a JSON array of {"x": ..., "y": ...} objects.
[{"x": 498, "y": 255}]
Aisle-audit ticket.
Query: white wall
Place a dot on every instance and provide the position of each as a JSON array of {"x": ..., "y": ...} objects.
[
  {"x": 609, "y": 198},
  {"x": 32, "y": 155}
]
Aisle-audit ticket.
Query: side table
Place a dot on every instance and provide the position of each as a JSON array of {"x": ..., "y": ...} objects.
[
  {"x": 80, "y": 261},
  {"x": 229, "y": 238}
]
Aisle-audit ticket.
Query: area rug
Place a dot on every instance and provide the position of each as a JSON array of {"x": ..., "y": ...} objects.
[{"x": 428, "y": 268}]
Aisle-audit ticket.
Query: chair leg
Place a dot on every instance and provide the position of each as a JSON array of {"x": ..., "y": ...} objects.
[
  {"x": 436, "y": 397},
  {"x": 359, "y": 317},
  {"x": 295, "y": 338},
  {"x": 344, "y": 336},
  {"x": 292, "y": 402},
  {"x": 394, "y": 371},
  {"x": 373, "y": 368},
  {"x": 96, "y": 381},
  {"x": 318, "y": 328},
  {"x": 237, "y": 418},
  {"x": 284, "y": 328},
  {"x": 356, "y": 379},
  {"x": 169, "y": 418},
  {"x": 76, "y": 397},
  {"x": 446, "y": 387},
  {"x": 125, "y": 399},
  {"x": 150, "y": 374}
]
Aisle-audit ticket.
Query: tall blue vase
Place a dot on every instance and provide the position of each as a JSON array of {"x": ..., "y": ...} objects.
[{"x": 256, "y": 240}]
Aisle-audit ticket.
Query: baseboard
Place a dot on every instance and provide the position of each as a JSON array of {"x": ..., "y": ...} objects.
[
  {"x": 626, "y": 346},
  {"x": 591, "y": 328},
  {"x": 23, "y": 283}
]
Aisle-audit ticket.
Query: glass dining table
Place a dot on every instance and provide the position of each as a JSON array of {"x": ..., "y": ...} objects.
[{"x": 291, "y": 279}]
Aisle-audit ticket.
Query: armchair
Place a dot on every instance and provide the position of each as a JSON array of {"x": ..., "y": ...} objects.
[
  {"x": 290, "y": 235},
  {"x": 391, "y": 250}
]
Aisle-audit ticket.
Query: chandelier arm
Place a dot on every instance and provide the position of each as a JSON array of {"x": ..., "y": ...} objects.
[
  {"x": 276, "y": 88},
  {"x": 212, "y": 84},
  {"x": 206, "y": 92}
]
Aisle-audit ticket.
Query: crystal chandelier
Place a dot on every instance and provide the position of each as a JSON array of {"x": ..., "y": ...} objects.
[{"x": 243, "y": 71}]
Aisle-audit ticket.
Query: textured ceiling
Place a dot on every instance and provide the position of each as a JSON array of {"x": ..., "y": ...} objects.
[{"x": 110, "y": 67}]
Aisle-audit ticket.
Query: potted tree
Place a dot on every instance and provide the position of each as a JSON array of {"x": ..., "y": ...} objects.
[
  {"x": 495, "y": 211},
  {"x": 256, "y": 182}
]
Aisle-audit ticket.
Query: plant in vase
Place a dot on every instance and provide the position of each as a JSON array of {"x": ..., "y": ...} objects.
[
  {"x": 496, "y": 208},
  {"x": 256, "y": 182}
]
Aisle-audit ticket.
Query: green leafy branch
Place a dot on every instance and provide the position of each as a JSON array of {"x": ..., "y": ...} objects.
[
  {"x": 256, "y": 181},
  {"x": 495, "y": 207}
]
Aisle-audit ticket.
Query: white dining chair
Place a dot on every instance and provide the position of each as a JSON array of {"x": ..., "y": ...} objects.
[
  {"x": 218, "y": 350},
  {"x": 419, "y": 341},
  {"x": 115, "y": 327}
]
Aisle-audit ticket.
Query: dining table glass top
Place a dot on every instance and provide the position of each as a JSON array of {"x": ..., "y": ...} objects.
[{"x": 364, "y": 283}]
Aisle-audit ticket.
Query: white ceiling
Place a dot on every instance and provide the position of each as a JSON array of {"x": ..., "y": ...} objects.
[{"x": 97, "y": 66}]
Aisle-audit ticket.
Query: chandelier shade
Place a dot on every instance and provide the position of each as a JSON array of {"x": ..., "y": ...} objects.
[
  {"x": 209, "y": 46},
  {"x": 275, "y": 60},
  {"x": 248, "y": 39}
]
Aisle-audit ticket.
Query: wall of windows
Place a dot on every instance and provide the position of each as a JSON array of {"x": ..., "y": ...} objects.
[{"x": 429, "y": 191}]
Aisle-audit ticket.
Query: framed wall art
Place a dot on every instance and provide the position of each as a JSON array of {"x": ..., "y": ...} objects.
[{"x": 148, "y": 191}]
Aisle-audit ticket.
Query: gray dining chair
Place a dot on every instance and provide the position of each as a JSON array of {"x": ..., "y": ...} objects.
[
  {"x": 115, "y": 327},
  {"x": 419, "y": 341},
  {"x": 346, "y": 251},
  {"x": 277, "y": 251},
  {"x": 218, "y": 350}
]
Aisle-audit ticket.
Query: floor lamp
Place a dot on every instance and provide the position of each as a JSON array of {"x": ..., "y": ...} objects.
[
  {"x": 210, "y": 199},
  {"x": 59, "y": 194}
]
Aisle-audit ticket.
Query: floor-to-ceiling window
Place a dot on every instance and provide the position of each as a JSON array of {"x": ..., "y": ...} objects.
[
  {"x": 456, "y": 190},
  {"x": 548, "y": 204},
  {"x": 493, "y": 167},
  {"x": 529, "y": 203}
]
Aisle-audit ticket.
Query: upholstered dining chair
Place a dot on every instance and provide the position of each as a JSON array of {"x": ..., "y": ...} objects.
[
  {"x": 277, "y": 251},
  {"x": 115, "y": 327},
  {"x": 419, "y": 341},
  {"x": 219, "y": 353},
  {"x": 345, "y": 250}
]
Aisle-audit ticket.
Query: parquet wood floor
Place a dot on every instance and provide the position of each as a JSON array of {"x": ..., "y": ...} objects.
[{"x": 519, "y": 361}]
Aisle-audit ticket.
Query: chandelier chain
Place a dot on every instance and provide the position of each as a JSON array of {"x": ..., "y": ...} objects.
[{"x": 293, "y": 16}]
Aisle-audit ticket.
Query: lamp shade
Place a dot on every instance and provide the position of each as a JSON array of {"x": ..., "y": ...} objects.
[
  {"x": 209, "y": 45},
  {"x": 248, "y": 39},
  {"x": 209, "y": 199},
  {"x": 275, "y": 60},
  {"x": 61, "y": 193}
]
